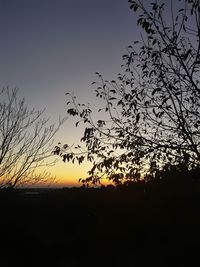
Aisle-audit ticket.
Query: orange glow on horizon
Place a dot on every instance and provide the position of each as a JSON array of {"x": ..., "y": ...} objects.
[{"x": 68, "y": 174}]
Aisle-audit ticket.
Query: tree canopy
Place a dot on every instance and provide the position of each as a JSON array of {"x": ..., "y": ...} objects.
[{"x": 150, "y": 115}]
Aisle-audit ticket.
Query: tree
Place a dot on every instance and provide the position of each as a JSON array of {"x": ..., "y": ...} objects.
[
  {"x": 26, "y": 142},
  {"x": 151, "y": 113}
]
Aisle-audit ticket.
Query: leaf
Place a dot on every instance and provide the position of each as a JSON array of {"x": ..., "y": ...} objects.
[
  {"x": 64, "y": 157},
  {"x": 134, "y": 6},
  {"x": 154, "y": 42},
  {"x": 72, "y": 111},
  {"x": 81, "y": 159},
  {"x": 137, "y": 117},
  {"x": 112, "y": 98},
  {"x": 164, "y": 101},
  {"x": 178, "y": 93},
  {"x": 156, "y": 90}
]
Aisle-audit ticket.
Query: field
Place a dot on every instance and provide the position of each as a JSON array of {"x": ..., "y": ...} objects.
[{"x": 135, "y": 226}]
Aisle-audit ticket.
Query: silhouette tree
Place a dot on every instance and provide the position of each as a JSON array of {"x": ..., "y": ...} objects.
[
  {"x": 150, "y": 115},
  {"x": 26, "y": 142}
]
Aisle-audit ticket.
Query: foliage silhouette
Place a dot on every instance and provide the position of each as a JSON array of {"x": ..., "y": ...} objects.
[{"x": 150, "y": 115}]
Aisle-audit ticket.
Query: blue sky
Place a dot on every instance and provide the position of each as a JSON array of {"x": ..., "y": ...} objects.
[{"x": 50, "y": 47}]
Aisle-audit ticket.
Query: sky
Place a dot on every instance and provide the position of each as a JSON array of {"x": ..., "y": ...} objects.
[{"x": 50, "y": 47}]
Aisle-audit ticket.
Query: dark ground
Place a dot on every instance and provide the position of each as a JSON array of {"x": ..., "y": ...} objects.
[{"x": 157, "y": 225}]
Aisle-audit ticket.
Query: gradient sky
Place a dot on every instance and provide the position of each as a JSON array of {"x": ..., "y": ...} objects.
[{"x": 49, "y": 47}]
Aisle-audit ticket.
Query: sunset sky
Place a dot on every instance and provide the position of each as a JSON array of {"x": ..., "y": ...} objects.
[{"x": 49, "y": 47}]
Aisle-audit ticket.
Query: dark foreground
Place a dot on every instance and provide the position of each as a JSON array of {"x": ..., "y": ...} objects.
[{"x": 158, "y": 226}]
